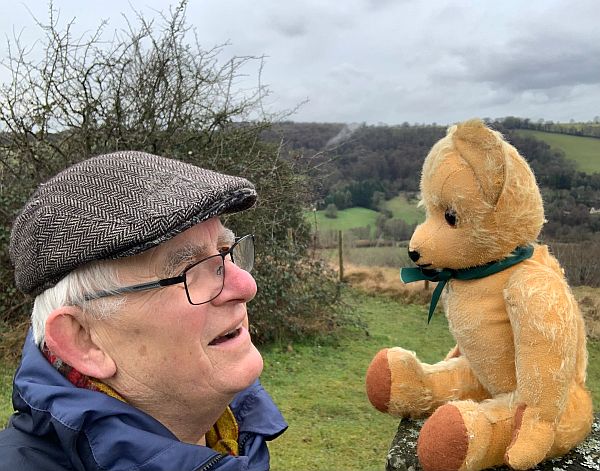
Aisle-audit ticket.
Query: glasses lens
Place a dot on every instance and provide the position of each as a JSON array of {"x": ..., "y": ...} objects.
[
  {"x": 243, "y": 253},
  {"x": 204, "y": 281}
]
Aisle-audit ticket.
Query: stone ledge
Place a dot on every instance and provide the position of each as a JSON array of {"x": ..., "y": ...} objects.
[{"x": 402, "y": 455}]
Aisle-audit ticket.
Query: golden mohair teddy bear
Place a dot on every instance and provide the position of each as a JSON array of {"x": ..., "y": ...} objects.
[{"x": 512, "y": 391}]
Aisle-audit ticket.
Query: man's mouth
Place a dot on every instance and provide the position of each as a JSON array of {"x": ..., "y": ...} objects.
[{"x": 226, "y": 336}]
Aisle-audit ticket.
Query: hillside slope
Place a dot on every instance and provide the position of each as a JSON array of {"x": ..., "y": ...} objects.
[{"x": 584, "y": 151}]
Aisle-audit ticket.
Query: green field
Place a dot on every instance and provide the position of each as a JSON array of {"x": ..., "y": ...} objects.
[
  {"x": 351, "y": 218},
  {"x": 346, "y": 219},
  {"x": 401, "y": 208},
  {"x": 585, "y": 151},
  {"x": 320, "y": 389},
  {"x": 319, "y": 386}
]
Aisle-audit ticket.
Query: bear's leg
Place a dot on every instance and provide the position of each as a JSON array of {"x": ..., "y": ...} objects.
[
  {"x": 398, "y": 383},
  {"x": 575, "y": 423},
  {"x": 571, "y": 428},
  {"x": 466, "y": 436}
]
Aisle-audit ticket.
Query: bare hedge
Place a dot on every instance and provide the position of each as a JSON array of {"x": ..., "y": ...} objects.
[{"x": 153, "y": 88}]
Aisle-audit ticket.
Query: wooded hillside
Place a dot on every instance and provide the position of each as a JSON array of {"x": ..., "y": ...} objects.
[{"x": 358, "y": 165}]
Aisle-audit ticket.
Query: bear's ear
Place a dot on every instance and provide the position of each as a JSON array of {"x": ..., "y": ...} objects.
[{"x": 482, "y": 149}]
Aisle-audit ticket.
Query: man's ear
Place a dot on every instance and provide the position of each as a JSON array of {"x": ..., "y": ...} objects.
[{"x": 69, "y": 339}]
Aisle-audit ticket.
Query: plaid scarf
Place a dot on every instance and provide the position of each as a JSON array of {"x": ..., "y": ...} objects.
[
  {"x": 222, "y": 437},
  {"x": 78, "y": 379}
]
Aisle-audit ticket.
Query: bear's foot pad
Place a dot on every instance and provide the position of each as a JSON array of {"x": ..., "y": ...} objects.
[{"x": 402, "y": 455}]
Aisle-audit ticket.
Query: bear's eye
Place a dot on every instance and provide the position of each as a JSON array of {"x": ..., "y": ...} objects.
[{"x": 450, "y": 216}]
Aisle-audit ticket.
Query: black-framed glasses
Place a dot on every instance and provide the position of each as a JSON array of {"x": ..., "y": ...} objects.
[{"x": 203, "y": 280}]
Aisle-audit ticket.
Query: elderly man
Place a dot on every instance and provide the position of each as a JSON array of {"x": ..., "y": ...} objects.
[{"x": 139, "y": 356}]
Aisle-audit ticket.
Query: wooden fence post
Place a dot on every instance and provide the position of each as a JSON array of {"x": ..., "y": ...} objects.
[{"x": 341, "y": 255}]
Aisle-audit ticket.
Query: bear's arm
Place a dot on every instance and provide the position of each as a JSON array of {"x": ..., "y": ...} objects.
[{"x": 543, "y": 315}]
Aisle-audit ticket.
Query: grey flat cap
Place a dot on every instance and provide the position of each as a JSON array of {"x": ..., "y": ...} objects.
[{"x": 113, "y": 206}]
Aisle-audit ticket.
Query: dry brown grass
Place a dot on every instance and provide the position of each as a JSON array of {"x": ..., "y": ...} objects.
[
  {"x": 386, "y": 282},
  {"x": 589, "y": 303}
]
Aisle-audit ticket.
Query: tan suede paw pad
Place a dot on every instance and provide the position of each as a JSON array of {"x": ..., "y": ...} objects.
[
  {"x": 379, "y": 381},
  {"x": 443, "y": 441}
]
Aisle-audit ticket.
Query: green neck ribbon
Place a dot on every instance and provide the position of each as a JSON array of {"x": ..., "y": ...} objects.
[{"x": 408, "y": 275}]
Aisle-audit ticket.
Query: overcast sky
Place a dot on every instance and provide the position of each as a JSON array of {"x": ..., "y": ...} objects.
[{"x": 388, "y": 61}]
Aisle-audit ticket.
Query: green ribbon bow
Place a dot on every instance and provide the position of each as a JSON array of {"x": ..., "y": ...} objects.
[{"x": 408, "y": 275}]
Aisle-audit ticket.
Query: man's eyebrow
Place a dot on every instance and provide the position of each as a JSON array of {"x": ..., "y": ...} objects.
[
  {"x": 183, "y": 256},
  {"x": 190, "y": 253},
  {"x": 227, "y": 237}
]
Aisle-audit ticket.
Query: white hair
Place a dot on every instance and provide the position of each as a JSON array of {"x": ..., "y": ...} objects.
[{"x": 101, "y": 275}]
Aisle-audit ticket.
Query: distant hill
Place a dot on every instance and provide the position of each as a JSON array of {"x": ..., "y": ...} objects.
[
  {"x": 366, "y": 166},
  {"x": 584, "y": 151}
]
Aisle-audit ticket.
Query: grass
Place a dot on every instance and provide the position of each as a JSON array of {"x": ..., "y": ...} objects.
[
  {"x": 346, "y": 219},
  {"x": 320, "y": 388},
  {"x": 406, "y": 210},
  {"x": 319, "y": 385},
  {"x": 585, "y": 151},
  {"x": 6, "y": 376}
]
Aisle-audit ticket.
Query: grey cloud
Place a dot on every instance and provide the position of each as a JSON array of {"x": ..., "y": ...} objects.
[
  {"x": 293, "y": 22},
  {"x": 289, "y": 26},
  {"x": 531, "y": 64},
  {"x": 399, "y": 60},
  {"x": 382, "y": 4}
]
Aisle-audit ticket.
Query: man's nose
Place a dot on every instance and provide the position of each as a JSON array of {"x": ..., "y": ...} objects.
[{"x": 238, "y": 284}]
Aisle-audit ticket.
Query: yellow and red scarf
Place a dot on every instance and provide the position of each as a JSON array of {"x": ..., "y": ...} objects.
[{"x": 222, "y": 437}]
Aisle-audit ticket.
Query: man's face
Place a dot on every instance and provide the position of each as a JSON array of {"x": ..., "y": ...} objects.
[{"x": 168, "y": 350}]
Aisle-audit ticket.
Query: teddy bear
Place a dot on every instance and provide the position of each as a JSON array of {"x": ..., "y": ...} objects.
[{"x": 512, "y": 391}]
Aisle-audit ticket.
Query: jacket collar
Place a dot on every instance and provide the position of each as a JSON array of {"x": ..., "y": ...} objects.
[{"x": 103, "y": 432}]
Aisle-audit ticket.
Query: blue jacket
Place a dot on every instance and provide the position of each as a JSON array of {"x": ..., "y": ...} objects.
[{"x": 60, "y": 427}]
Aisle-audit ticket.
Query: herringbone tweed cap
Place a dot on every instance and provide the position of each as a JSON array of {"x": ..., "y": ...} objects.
[{"x": 113, "y": 206}]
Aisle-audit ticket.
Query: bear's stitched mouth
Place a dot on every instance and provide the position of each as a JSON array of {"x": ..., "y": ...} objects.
[{"x": 427, "y": 271}]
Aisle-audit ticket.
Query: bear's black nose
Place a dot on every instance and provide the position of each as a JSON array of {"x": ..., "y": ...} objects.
[{"x": 414, "y": 255}]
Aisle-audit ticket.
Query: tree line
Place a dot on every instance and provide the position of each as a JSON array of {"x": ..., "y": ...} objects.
[
  {"x": 589, "y": 129},
  {"x": 375, "y": 162}
]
